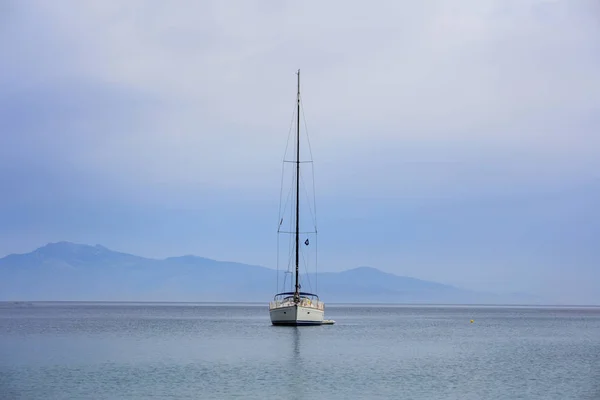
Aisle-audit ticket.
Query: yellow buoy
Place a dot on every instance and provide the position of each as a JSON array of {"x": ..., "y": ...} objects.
[{"x": 472, "y": 321}]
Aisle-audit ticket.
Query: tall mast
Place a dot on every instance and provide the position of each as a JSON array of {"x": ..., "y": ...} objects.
[{"x": 297, "y": 291}]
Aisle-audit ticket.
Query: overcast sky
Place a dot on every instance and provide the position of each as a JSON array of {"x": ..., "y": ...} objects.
[{"x": 453, "y": 141}]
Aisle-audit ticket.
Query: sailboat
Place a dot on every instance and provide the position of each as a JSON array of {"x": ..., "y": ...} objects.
[{"x": 297, "y": 307}]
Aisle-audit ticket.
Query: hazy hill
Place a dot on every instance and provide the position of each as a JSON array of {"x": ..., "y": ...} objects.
[{"x": 69, "y": 271}]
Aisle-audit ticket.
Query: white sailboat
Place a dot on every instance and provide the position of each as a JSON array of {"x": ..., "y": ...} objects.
[{"x": 297, "y": 307}]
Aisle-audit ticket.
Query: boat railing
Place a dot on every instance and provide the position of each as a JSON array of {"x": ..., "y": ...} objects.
[{"x": 319, "y": 305}]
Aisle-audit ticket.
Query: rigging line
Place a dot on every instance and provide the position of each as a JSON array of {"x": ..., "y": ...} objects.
[
  {"x": 278, "y": 262},
  {"x": 277, "y": 287},
  {"x": 279, "y": 219},
  {"x": 311, "y": 161},
  {"x": 281, "y": 186},
  {"x": 283, "y": 286},
  {"x": 310, "y": 206},
  {"x": 287, "y": 144},
  {"x": 291, "y": 268},
  {"x": 280, "y": 198},
  {"x": 314, "y": 193},
  {"x": 290, "y": 253},
  {"x": 289, "y": 195},
  {"x": 306, "y": 270},
  {"x": 306, "y": 129},
  {"x": 279, "y": 227},
  {"x": 279, "y": 216},
  {"x": 289, "y": 258},
  {"x": 313, "y": 165},
  {"x": 308, "y": 202},
  {"x": 289, "y": 264},
  {"x": 312, "y": 169},
  {"x": 283, "y": 165},
  {"x": 316, "y": 264},
  {"x": 316, "y": 230},
  {"x": 291, "y": 244},
  {"x": 307, "y": 275},
  {"x": 288, "y": 272}
]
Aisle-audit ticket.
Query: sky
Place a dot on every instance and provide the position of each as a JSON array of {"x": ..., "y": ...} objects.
[{"x": 452, "y": 141}]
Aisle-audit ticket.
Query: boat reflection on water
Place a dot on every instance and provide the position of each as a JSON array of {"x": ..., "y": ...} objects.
[
  {"x": 297, "y": 381},
  {"x": 296, "y": 340}
]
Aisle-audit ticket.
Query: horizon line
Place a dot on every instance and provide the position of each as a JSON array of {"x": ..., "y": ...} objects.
[{"x": 260, "y": 303}]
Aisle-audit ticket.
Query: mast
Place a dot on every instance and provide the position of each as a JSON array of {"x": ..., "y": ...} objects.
[{"x": 297, "y": 290}]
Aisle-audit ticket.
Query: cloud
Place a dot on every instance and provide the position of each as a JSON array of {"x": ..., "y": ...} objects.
[
  {"x": 491, "y": 77},
  {"x": 148, "y": 106}
]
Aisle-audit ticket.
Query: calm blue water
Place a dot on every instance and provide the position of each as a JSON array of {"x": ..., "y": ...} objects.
[{"x": 187, "y": 351}]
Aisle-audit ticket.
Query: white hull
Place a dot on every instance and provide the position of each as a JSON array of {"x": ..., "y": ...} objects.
[{"x": 296, "y": 315}]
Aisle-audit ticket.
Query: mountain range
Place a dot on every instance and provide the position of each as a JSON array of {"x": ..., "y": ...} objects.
[{"x": 67, "y": 271}]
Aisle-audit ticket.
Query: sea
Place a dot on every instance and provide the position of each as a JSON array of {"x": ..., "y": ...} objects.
[{"x": 231, "y": 351}]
